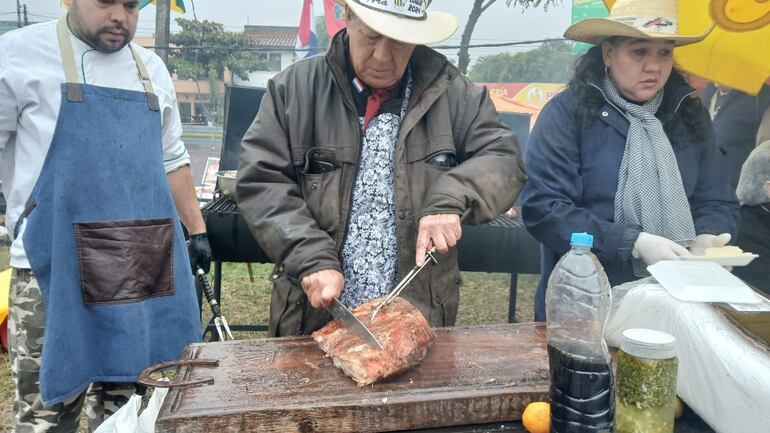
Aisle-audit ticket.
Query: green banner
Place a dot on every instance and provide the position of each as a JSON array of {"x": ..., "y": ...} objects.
[{"x": 582, "y": 9}]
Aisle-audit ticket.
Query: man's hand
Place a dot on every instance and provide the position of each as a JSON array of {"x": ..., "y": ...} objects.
[
  {"x": 441, "y": 231},
  {"x": 200, "y": 252},
  {"x": 652, "y": 249},
  {"x": 322, "y": 287},
  {"x": 707, "y": 241}
]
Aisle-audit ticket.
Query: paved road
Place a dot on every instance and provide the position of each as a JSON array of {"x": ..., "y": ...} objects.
[{"x": 200, "y": 151}]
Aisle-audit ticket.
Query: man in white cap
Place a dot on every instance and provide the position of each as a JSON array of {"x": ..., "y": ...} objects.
[{"x": 361, "y": 160}]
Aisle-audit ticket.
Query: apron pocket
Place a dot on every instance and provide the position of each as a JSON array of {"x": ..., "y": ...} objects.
[{"x": 125, "y": 261}]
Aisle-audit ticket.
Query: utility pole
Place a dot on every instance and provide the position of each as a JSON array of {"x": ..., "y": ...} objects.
[
  {"x": 162, "y": 28},
  {"x": 26, "y": 18},
  {"x": 18, "y": 14}
]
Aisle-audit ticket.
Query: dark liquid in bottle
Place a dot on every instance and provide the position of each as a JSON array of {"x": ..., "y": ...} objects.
[{"x": 582, "y": 393}]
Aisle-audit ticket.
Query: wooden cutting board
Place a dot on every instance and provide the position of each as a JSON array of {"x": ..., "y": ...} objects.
[{"x": 472, "y": 375}]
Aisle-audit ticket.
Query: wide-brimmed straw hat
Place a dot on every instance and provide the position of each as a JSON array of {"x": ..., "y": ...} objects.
[
  {"x": 407, "y": 21},
  {"x": 643, "y": 19}
]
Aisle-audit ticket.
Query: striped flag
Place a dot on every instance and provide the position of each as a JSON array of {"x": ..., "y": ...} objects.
[
  {"x": 334, "y": 12},
  {"x": 176, "y": 5},
  {"x": 306, "y": 37}
]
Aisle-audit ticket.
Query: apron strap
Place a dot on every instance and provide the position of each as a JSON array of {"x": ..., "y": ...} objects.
[
  {"x": 74, "y": 91},
  {"x": 72, "y": 80},
  {"x": 152, "y": 98}
]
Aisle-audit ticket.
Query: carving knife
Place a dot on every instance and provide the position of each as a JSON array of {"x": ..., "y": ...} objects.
[{"x": 349, "y": 321}]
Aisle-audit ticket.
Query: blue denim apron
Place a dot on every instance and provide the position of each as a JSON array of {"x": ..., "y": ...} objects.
[{"x": 104, "y": 239}]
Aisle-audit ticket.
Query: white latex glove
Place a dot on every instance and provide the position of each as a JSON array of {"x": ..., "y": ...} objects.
[
  {"x": 652, "y": 249},
  {"x": 707, "y": 241}
]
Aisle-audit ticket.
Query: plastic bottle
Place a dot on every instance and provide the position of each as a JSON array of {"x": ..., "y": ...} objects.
[{"x": 578, "y": 300}]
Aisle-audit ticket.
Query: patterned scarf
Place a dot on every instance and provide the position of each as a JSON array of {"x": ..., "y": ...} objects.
[
  {"x": 650, "y": 192},
  {"x": 370, "y": 251}
]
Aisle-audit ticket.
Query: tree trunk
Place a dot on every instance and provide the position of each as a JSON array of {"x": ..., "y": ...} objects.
[
  {"x": 162, "y": 28},
  {"x": 199, "y": 97},
  {"x": 463, "y": 57}
]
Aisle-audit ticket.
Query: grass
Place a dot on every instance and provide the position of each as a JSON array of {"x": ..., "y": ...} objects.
[{"x": 483, "y": 300}]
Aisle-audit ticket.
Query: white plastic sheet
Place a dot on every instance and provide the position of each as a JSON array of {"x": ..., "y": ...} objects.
[
  {"x": 723, "y": 376},
  {"x": 128, "y": 420}
]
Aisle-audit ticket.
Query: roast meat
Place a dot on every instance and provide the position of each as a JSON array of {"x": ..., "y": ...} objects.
[{"x": 400, "y": 328}]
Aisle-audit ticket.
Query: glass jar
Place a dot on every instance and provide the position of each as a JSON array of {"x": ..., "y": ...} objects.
[{"x": 645, "y": 395}]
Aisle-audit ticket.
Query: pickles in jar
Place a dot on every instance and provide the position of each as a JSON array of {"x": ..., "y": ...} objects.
[{"x": 646, "y": 383}]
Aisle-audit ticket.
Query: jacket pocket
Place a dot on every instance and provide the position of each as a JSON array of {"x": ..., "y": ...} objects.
[
  {"x": 422, "y": 174},
  {"x": 290, "y": 310},
  {"x": 125, "y": 261},
  {"x": 286, "y": 307},
  {"x": 445, "y": 286},
  {"x": 322, "y": 194},
  {"x": 430, "y": 148}
]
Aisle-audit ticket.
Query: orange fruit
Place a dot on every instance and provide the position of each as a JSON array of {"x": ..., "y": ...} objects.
[
  {"x": 678, "y": 408},
  {"x": 537, "y": 417}
]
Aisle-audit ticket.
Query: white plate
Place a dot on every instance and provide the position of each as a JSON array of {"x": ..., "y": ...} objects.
[
  {"x": 702, "y": 282},
  {"x": 737, "y": 260}
]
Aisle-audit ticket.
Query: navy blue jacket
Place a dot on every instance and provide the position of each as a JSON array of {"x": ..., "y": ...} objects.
[
  {"x": 573, "y": 170},
  {"x": 736, "y": 124}
]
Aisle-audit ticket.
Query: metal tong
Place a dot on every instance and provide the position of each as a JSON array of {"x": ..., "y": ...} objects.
[
  {"x": 429, "y": 257},
  {"x": 219, "y": 320}
]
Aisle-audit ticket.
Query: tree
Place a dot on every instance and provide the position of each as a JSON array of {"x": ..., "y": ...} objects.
[
  {"x": 320, "y": 31},
  {"x": 479, "y": 6},
  {"x": 205, "y": 51},
  {"x": 550, "y": 63}
]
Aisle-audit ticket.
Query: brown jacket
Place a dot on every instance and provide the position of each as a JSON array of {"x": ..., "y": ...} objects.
[{"x": 300, "y": 219}]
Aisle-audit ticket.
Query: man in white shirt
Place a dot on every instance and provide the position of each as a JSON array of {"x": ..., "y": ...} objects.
[{"x": 96, "y": 178}]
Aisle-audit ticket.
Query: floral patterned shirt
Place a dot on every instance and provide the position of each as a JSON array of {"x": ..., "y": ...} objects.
[{"x": 369, "y": 253}]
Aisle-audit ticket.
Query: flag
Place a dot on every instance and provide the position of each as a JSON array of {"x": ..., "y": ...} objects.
[
  {"x": 334, "y": 11},
  {"x": 306, "y": 37},
  {"x": 176, "y": 5}
]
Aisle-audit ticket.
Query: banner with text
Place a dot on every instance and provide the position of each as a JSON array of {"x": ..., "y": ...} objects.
[{"x": 526, "y": 98}]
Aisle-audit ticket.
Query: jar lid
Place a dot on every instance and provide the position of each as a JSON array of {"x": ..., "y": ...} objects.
[{"x": 648, "y": 343}]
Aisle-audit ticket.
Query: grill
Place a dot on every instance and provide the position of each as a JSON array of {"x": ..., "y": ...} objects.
[
  {"x": 502, "y": 245},
  {"x": 228, "y": 234},
  {"x": 230, "y": 241},
  {"x": 222, "y": 205}
]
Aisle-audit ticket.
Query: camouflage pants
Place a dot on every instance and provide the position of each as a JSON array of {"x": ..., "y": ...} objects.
[{"x": 25, "y": 328}]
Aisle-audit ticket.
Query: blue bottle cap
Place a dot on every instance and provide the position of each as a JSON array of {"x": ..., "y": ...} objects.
[{"x": 582, "y": 239}]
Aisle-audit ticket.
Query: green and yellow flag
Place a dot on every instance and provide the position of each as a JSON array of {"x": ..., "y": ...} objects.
[{"x": 176, "y": 5}]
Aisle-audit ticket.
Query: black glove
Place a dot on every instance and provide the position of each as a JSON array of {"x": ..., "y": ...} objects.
[{"x": 200, "y": 252}]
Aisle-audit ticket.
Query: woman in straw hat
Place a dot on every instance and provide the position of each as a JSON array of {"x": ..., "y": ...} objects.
[{"x": 626, "y": 152}]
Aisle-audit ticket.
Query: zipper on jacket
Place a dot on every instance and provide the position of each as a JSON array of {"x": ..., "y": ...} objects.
[
  {"x": 359, "y": 140},
  {"x": 351, "y": 106}
]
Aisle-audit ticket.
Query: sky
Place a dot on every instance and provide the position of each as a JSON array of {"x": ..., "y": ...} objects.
[{"x": 498, "y": 23}]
